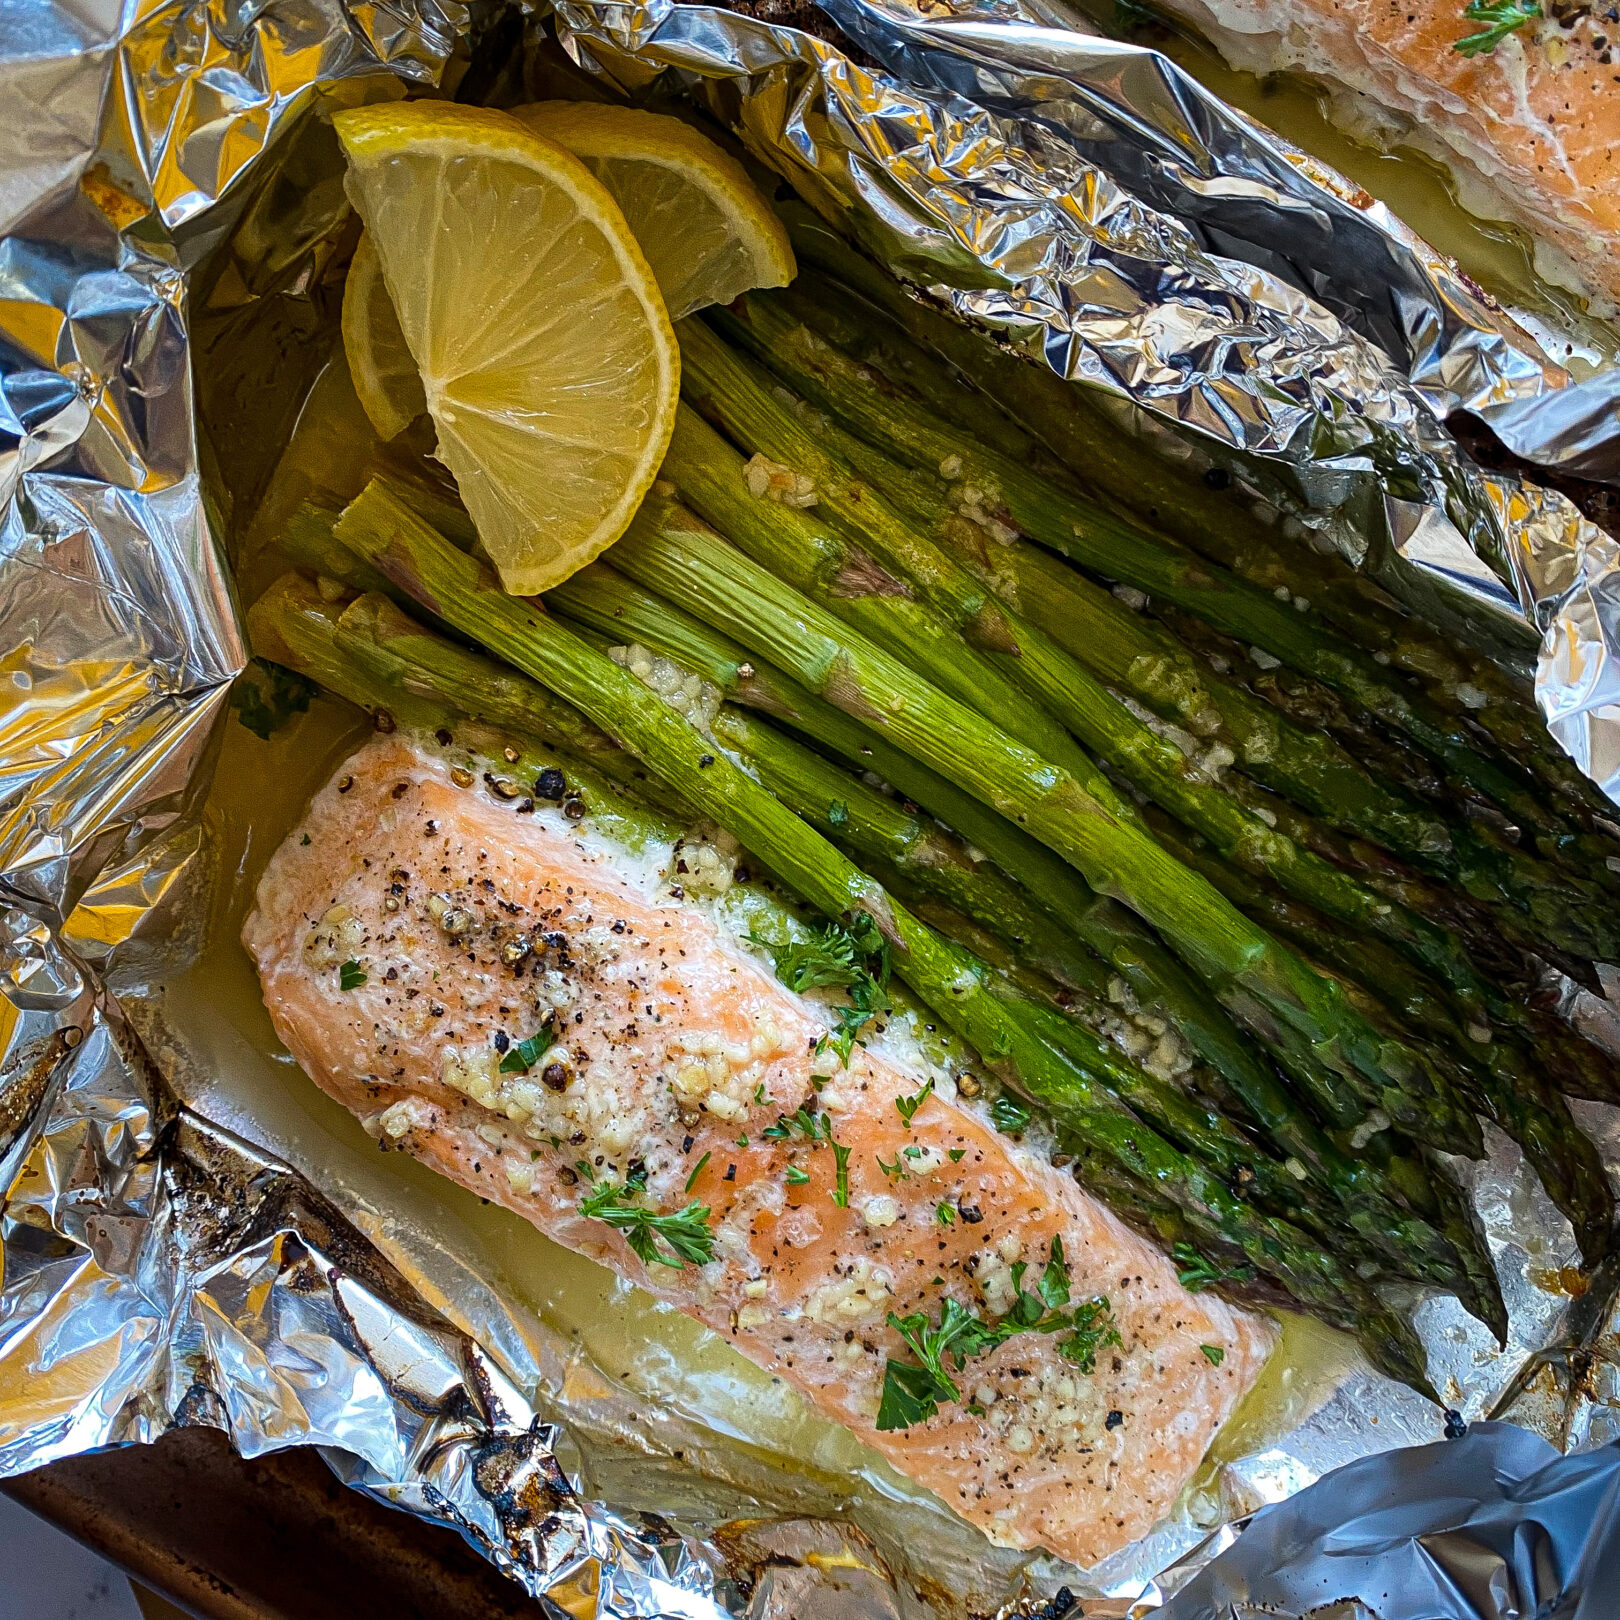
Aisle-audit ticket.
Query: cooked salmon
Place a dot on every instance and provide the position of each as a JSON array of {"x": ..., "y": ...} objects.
[
  {"x": 416, "y": 930},
  {"x": 1531, "y": 127}
]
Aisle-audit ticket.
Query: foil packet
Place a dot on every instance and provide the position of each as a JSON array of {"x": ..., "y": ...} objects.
[{"x": 1084, "y": 198}]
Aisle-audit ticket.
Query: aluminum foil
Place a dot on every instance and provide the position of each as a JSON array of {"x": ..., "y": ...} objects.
[{"x": 1142, "y": 239}]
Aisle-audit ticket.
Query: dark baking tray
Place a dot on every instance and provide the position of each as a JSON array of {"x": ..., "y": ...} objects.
[{"x": 278, "y": 1538}]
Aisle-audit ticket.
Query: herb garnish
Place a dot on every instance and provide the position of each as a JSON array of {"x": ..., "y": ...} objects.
[
  {"x": 685, "y": 1233},
  {"x": 697, "y": 1170},
  {"x": 944, "y": 1213},
  {"x": 796, "y": 1177},
  {"x": 1008, "y": 1116},
  {"x": 853, "y": 956},
  {"x": 908, "y": 1106},
  {"x": 912, "y": 1393},
  {"x": 526, "y": 1053},
  {"x": 1213, "y": 1354},
  {"x": 1500, "y": 17},
  {"x": 351, "y": 976},
  {"x": 266, "y": 696},
  {"x": 815, "y": 1128},
  {"x": 1195, "y": 1273}
]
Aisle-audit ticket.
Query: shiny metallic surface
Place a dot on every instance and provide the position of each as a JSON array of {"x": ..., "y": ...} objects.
[
  {"x": 1077, "y": 196},
  {"x": 1493, "y": 1526}
]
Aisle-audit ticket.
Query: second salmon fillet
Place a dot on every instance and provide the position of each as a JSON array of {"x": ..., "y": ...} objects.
[{"x": 416, "y": 929}]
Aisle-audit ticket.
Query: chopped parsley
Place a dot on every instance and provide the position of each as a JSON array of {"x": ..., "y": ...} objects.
[
  {"x": 895, "y": 1171},
  {"x": 1195, "y": 1273},
  {"x": 685, "y": 1233},
  {"x": 816, "y": 1129},
  {"x": 796, "y": 1177},
  {"x": 1213, "y": 1354},
  {"x": 697, "y": 1170},
  {"x": 351, "y": 976},
  {"x": 526, "y": 1053},
  {"x": 1008, "y": 1116},
  {"x": 759, "y": 1094},
  {"x": 1500, "y": 18},
  {"x": 956, "y": 1155},
  {"x": 266, "y": 696},
  {"x": 912, "y": 1391},
  {"x": 852, "y": 956},
  {"x": 944, "y": 1213},
  {"x": 908, "y": 1106}
]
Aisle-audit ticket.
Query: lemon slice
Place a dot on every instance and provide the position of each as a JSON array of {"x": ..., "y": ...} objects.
[
  {"x": 384, "y": 374},
  {"x": 546, "y": 357},
  {"x": 706, "y": 231}
]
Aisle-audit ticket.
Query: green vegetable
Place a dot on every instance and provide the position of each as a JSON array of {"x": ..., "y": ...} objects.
[
  {"x": 266, "y": 696},
  {"x": 912, "y": 1393},
  {"x": 796, "y": 1177},
  {"x": 1008, "y": 1115},
  {"x": 1500, "y": 17},
  {"x": 907, "y": 1107},
  {"x": 853, "y": 956},
  {"x": 351, "y": 976},
  {"x": 697, "y": 1170},
  {"x": 522, "y": 1057},
  {"x": 1213, "y": 1353},
  {"x": 815, "y": 1129},
  {"x": 684, "y": 1235},
  {"x": 1196, "y": 1273}
]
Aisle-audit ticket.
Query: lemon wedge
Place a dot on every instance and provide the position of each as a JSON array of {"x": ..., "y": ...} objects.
[
  {"x": 384, "y": 374},
  {"x": 545, "y": 354},
  {"x": 707, "y": 232}
]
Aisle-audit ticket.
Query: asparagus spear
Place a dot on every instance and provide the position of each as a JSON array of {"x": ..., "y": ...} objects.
[
  {"x": 385, "y": 533},
  {"x": 728, "y": 389},
  {"x": 605, "y": 600},
  {"x": 1503, "y": 1077},
  {"x": 1103, "y": 454},
  {"x": 1094, "y": 538},
  {"x": 671, "y": 552},
  {"x": 1126, "y": 650}
]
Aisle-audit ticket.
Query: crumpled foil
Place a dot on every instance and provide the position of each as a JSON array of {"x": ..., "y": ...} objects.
[{"x": 1143, "y": 239}]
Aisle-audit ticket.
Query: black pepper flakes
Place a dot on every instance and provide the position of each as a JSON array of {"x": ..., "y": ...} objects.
[
  {"x": 550, "y": 784},
  {"x": 1113, "y": 1420}
]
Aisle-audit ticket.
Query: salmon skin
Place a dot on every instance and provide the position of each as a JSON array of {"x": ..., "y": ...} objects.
[
  {"x": 415, "y": 929},
  {"x": 1530, "y": 128}
]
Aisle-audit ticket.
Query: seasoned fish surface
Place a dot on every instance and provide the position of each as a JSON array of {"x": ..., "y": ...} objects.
[{"x": 475, "y": 923}]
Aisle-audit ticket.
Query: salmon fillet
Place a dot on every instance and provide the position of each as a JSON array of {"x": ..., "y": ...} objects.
[
  {"x": 476, "y": 921},
  {"x": 1530, "y": 129}
]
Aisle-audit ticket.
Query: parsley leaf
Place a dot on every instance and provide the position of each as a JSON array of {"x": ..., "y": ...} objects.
[
  {"x": 912, "y": 1393},
  {"x": 351, "y": 976},
  {"x": 908, "y": 1106},
  {"x": 685, "y": 1233},
  {"x": 816, "y": 1129},
  {"x": 1500, "y": 17},
  {"x": 526, "y": 1053},
  {"x": 1213, "y": 1354},
  {"x": 796, "y": 1177},
  {"x": 944, "y": 1213},
  {"x": 1008, "y": 1116},
  {"x": 697, "y": 1170},
  {"x": 853, "y": 956},
  {"x": 266, "y": 696},
  {"x": 1195, "y": 1273},
  {"x": 1091, "y": 1328}
]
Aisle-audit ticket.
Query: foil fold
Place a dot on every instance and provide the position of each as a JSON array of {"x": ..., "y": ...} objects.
[{"x": 1079, "y": 197}]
